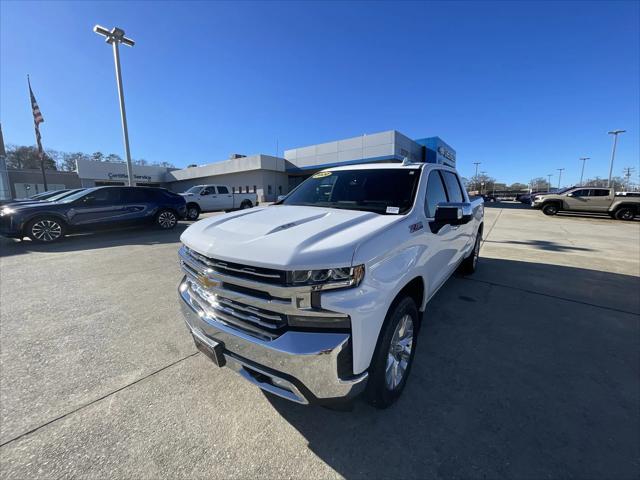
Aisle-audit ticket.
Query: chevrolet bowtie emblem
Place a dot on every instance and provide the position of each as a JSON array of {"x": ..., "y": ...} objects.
[{"x": 207, "y": 282}]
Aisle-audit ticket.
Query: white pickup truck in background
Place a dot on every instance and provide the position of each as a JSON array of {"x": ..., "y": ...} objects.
[
  {"x": 215, "y": 198},
  {"x": 319, "y": 297}
]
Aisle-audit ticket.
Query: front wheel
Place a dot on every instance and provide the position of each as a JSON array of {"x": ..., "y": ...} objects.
[
  {"x": 625, "y": 213},
  {"x": 550, "y": 209},
  {"x": 394, "y": 354},
  {"x": 45, "y": 229},
  {"x": 166, "y": 219}
]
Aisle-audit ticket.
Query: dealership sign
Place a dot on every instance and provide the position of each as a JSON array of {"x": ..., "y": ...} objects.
[
  {"x": 449, "y": 155},
  {"x": 112, "y": 176}
]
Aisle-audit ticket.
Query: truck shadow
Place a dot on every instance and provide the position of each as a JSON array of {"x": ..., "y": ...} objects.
[
  {"x": 547, "y": 245},
  {"x": 140, "y": 235},
  {"x": 510, "y": 380}
]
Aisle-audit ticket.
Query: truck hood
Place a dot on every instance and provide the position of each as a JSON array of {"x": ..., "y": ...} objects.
[
  {"x": 186, "y": 194},
  {"x": 286, "y": 237}
]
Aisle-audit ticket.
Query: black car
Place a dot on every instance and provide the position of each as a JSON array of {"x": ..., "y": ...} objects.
[{"x": 92, "y": 209}]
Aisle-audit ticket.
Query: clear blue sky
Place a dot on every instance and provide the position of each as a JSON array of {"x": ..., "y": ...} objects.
[{"x": 524, "y": 88}]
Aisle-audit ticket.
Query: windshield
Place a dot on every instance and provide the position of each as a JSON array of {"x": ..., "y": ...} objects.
[
  {"x": 564, "y": 190},
  {"x": 75, "y": 196},
  {"x": 384, "y": 191},
  {"x": 62, "y": 195},
  {"x": 44, "y": 195},
  {"x": 195, "y": 189}
]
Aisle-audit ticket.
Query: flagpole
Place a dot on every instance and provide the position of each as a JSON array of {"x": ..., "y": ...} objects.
[{"x": 37, "y": 132}]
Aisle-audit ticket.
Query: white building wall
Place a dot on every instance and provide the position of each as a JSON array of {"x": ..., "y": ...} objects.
[
  {"x": 91, "y": 171},
  {"x": 384, "y": 146}
]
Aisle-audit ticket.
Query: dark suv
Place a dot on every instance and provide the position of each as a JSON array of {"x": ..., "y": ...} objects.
[{"x": 92, "y": 209}]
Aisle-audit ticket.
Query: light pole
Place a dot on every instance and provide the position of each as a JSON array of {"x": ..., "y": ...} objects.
[
  {"x": 615, "y": 134},
  {"x": 476, "y": 176},
  {"x": 115, "y": 37},
  {"x": 549, "y": 181},
  {"x": 559, "y": 176},
  {"x": 584, "y": 160}
]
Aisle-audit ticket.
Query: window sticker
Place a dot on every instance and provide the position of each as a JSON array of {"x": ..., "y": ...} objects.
[
  {"x": 393, "y": 209},
  {"x": 321, "y": 175}
]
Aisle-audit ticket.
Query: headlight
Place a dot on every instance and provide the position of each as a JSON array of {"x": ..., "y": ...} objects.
[
  {"x": 327, "y": 278},
  {"x": 7, "y": 211}
]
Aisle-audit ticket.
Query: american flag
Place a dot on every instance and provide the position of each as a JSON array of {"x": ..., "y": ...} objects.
[{"x": 37, "y": 115}]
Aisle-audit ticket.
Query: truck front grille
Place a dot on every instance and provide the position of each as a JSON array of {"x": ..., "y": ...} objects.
[
  {"x": 252, "y": 299},
  {"x": 266, "y": 275}
]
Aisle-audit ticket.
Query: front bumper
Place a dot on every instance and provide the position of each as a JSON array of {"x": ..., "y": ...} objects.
[
  {"x": 9, "y": 227},
  {"x": 299, "y": 366}
]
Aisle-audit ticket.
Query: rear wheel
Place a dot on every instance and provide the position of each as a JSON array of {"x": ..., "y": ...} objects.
[
  {"x": 469, "y": 264},
  {"x": 625, "y": 213},
  {"x": 193, "y": 211},
  {"x": 45, "y": 229},
  {"x": 166, "y": 219},
  {"x": 246, "y": 204},
  {"x": 550, "y": 209},
  {"x": 394, "y": 354}
]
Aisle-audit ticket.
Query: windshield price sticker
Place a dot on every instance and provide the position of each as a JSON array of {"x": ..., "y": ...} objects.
[
  {"x": 393, "y": 209},
  {"x": 321, "y": 175}
]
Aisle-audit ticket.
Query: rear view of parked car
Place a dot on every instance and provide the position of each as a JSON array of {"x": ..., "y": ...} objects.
[{"x": 93, "y": 209}]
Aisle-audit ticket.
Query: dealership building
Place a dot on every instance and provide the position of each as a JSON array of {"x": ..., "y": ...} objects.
[{"x": 269, "y": 176}]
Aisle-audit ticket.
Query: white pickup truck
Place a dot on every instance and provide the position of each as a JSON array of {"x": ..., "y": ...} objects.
[
  {"x": 319, "y": 297},
  {"x": 214, "y": 198}
]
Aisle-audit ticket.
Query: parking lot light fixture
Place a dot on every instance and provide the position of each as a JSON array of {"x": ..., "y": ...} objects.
[
  {"x": 584, "y": 160},
  {"x": 615, "y": 134},
  {"x": 115, "y": 37}
]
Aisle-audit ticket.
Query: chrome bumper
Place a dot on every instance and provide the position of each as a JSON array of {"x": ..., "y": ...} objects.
[{"x": 298, "y": 366}]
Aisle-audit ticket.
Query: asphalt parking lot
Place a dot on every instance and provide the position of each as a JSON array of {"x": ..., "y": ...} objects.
[{"x": 530, "y": 368}]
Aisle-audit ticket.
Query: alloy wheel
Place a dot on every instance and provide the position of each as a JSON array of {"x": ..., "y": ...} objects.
[
  {"x": 476, "y": 251},
  {"x": 399, "y": 353},
  {"x": 192, "y": 213},
  {"x": 46, "y": 230},
  {"x": 167, "y": 220}
]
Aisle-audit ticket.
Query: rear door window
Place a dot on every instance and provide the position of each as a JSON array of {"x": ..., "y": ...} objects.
[
  {"x": 223, "y": 190},
  {"x": 137, "y": 195},
  {"x": 453, "y": 187}
]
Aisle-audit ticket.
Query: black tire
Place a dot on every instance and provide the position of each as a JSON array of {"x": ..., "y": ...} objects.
[
  {"x": 550, "y": 209},
  {"x": 469, "y": 264},
  {"x": 193, "y": 211},
  {"x": 166, "y": 219},
  {"x": 380, "y": 393},
  {"x": 45, "y": 229},
  {"x": 625, "y": 213},
  {"x": 246, "y": 204}
]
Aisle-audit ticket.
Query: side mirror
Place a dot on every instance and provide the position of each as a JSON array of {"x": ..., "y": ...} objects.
[
  {"x": 280, "y": 198},
  {"x": 451, "y": 214},
  {"x": 569, "y": 194},
  {"x": 204, "y": 192}
]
